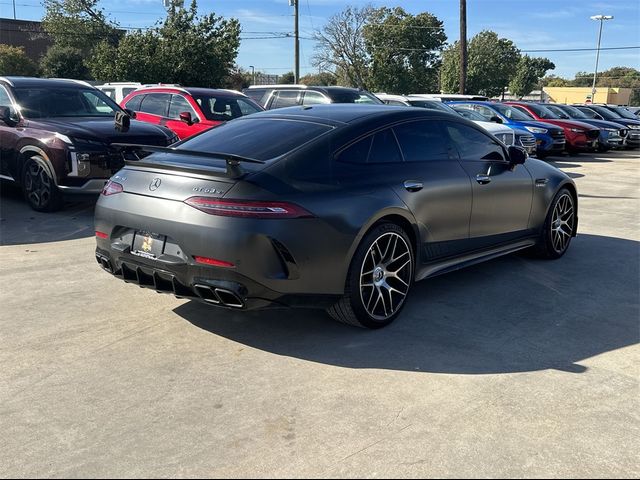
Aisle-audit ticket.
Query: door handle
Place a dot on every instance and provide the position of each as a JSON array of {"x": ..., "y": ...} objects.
[
  {"x": 483, "y": 178},
  {"x": 413, "y": 186}
]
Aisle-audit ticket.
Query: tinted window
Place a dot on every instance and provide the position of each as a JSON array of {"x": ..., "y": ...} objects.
[
  {"x": 47, "y": 102},
  {"x": 588, "y": 112},
  {"x": 558, "y": 111},
  {"x": 223, "y": 108},
  {"x": 384, "y": 148},
  {"x": 352, "y": 96},
  {"x": 178, "y": 105},
  {"x": 604, "y": 112},
  {"x": 314, "y": 98},
  {"x": 473, "y": 144},
  {"x": 127, "y": 91},
  {"x": 260, "y": 138},
  {"x": 422, "y": 141},
  {"x": 357, "y": 153},
  {"x": 156, "y": 104},
  {"x": 510, "y": 112},
  {"x": 285, "y": 98},
  {"x": 542, "y": 112},
  {"x": 5, "y": 101},
  {"x": 134, "y": 103}
]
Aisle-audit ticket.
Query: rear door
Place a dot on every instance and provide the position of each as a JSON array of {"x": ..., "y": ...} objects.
[{"x": 502, "y": 193}]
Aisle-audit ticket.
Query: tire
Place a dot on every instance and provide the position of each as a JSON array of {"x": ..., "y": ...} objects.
[
  {"x": 559, "y": 227},
  {"x": 384, "y": 261},
  {"x": 39, "y": 188}
]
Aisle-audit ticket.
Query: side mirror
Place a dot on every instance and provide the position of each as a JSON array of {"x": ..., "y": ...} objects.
[
  {"x": 496, "y": 119},
  {"x": 130, "y": 112},
  {"x": 517, "y": 155},
  {"x": 8, "y": 116},
  {"x": 186, "y": 118}
]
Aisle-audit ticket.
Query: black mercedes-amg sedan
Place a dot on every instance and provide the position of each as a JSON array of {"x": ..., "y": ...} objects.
[{"x": 341, "y": 207}]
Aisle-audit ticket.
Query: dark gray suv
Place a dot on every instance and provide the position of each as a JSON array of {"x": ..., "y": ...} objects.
[{"x": 280, "y": 96}]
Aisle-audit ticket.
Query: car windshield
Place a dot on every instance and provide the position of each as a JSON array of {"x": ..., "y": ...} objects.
[
  {"x": 224, "y": 108},
  {"x": 470, "y": 114},
  {"x": 605, "y": 112},
  {"x": 46, "y": 102},
  {"x": 257, "y": 138},
  {"x": 432, "y": 105},
  {"x": 573, "y": 112},
  {"x": 542, "y": 112},
  {"x": 511, "y": 112},
  {"x": 347, "y": 96},
  {"x": 558, "y": 111},
  {"x": 623, "y": 112}
]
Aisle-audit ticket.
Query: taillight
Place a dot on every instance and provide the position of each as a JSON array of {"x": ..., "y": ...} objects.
[
  {"x": 214, "y": 262},
  {"x": 247, "y": 209},
  {"x": 111, "y": 188},
  {"x": 101, "y": 234}
]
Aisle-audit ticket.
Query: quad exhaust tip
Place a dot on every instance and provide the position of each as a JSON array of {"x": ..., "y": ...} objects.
[{"x": 219, "y": 296}]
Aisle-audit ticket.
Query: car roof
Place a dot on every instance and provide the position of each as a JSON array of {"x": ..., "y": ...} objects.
[
  {"x": 347, "y": 112},
  {"x": 43, "y": 82}
]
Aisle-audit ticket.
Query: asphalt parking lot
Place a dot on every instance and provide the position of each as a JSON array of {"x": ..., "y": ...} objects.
[{"x": 512, "y": 368}]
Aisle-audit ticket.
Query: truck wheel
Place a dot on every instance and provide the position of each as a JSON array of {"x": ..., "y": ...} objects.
[{"x": 39, "y": 187}]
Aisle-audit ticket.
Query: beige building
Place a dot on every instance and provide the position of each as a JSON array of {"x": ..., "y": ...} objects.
[{"x": 617, "y": 96}]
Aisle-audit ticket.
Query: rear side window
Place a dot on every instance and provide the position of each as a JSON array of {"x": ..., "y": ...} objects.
[
  {"x": 285, "y": 98},
  {"x": 261, "y": 138},
  {"x": 356, "y": 153},
  {"x": 422, "y": 141},
  {"x": 473, "y": 144},
  {"x": 109, "y": 92},
  {"x": 384, "y": 148},
  {"x": 134, "y": 103},
  {"x": 314, "y": 98},
  {"x": 156, "y": 104}
]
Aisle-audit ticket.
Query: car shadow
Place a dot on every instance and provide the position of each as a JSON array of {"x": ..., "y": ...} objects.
[
  {"x": 19, "y": 224},
  {"x": 514, "y": 314}
]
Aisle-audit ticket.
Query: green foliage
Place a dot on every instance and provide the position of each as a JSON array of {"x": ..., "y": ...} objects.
[
  {"x": 491, "y": 63},
  {"x": 238, "y": 78},
  {"x": 287, "y": 78},
  {"x": 13, "y": 61},
  {"x": 554, "y": 81},
  {"x": 186, "y": 48},
  {"x": 404, "y": 50},
  {"x": 64, "y": 61},
  {"x": 528, "y": 73},
  {"x": 320, "y": 79}
]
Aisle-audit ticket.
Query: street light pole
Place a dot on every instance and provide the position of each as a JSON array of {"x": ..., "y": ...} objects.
[
  {"x": 14, "y": 9},
  {"x": 601, "y": 18},
  {"x": 463, "y": 46},
  {"x": 253, "y": 74}
]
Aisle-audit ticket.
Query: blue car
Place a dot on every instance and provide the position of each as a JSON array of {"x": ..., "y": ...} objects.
[
  {"x": 550, "y": 139},
  {"x": 611, "y": 134}
]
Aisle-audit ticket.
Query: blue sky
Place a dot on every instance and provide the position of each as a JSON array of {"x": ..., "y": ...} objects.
[{"x": 531, "y": 24}]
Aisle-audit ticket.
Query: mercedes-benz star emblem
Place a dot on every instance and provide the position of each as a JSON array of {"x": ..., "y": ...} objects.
[{"x": 155, "y": 184}]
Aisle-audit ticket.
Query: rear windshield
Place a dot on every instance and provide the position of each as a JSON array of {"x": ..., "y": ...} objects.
[
  {"x": 511, "y": 112},
  {"x": 257, "y": 138},
  {"x": 347, "y": 96}
]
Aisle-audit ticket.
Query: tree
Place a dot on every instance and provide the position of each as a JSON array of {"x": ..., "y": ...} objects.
[
  {"x": 76, "y": 27},
  {"x": 554, "y": 81},
  {"x": 492, "y": 61},
  {"x": 64, "y": 61},
  {"x": 287, "y": 78},
  {"x": 320, "y": 79},
  {"x": 238, "y": 78},
  {"x": 529, "y": 71},
  {"x": 14, "y": 61},
  {"x": 340, "y": 45},
  {"x": 404, "y": 50},
  {"x": 186, "y": 48}
]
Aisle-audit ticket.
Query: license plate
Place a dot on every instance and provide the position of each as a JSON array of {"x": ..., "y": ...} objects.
[{"x": 147, "y": 244}]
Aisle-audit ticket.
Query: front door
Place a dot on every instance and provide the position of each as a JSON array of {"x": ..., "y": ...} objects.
[{"x": 502, "y": 193}]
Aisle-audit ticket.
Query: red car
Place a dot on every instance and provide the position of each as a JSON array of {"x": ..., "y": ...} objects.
[
  {"x": 580, "y": 136},
  {"x": 188, "y": 111}
]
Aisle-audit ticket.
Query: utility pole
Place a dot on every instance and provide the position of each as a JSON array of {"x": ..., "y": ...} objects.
[
  {"x": 14, "y": 9},
  {"x": 296, "y": 32},
  {"x": 253, "y": 74},
  {"x": 463, "y": 46},
  {"x": 601, "y": 18}
]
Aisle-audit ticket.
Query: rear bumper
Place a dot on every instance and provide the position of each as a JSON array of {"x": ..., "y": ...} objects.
[{"x": 273, "y": 262}]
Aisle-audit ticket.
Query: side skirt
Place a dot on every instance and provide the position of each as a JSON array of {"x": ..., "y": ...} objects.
[{"x": 449, "y": 265}]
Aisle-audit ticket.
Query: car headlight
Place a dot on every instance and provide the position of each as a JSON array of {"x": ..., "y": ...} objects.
[
  {"x": 634, "y": 127},
  {"x": 612, "y": 130},
  {"x": 536, "y": 129},
  {"x": 577, "y": 130},
  {"x": 80, "y": 164}
]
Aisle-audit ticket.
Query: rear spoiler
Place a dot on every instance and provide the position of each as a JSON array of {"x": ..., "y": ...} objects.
[{"x": 233, "y": 161}]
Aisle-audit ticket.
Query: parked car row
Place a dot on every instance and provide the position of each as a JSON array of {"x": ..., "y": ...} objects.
[{"x": 61, "y": 136}]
